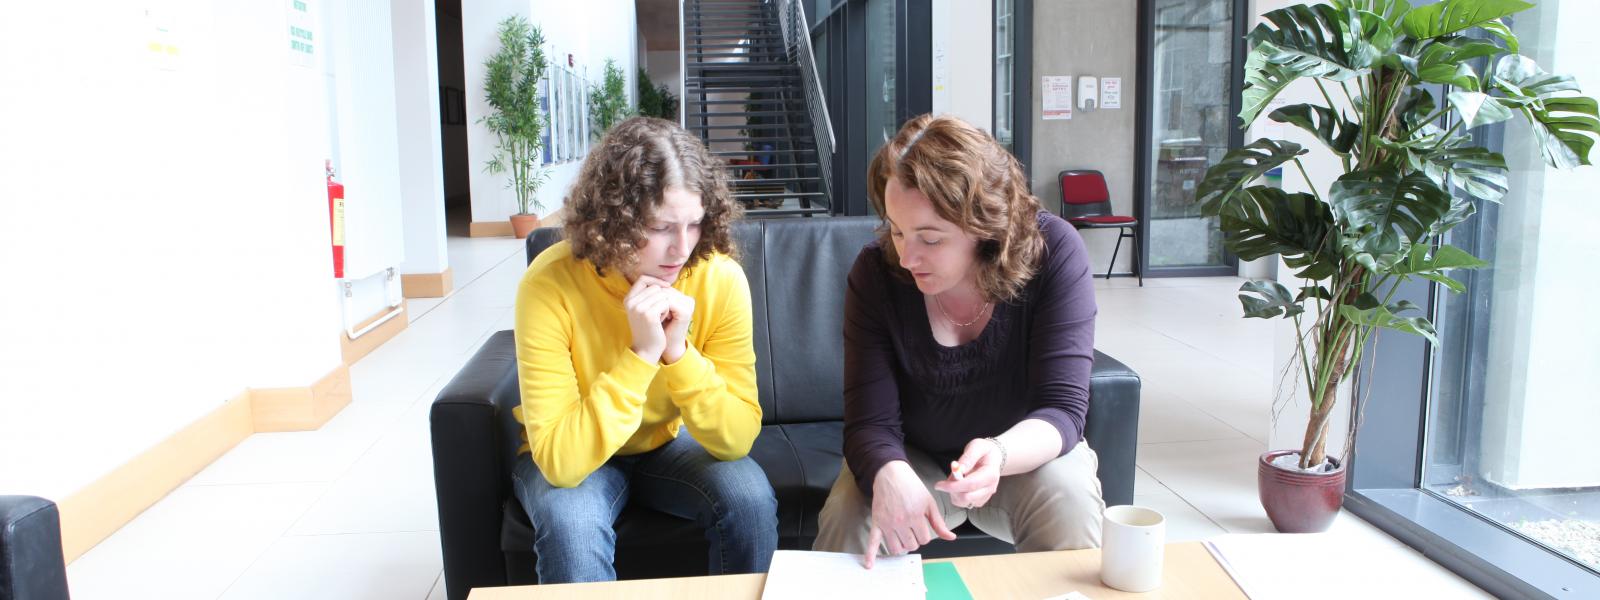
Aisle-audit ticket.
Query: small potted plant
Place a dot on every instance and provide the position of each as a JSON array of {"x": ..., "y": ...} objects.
[
  {"x": 512, "y": 89},
  {"x": 1410, "y": 173}
]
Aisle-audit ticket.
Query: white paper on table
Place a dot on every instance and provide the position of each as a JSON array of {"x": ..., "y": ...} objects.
[
  {"x": 805, "y": 575},
  {"x": 1274, "y": 565}
]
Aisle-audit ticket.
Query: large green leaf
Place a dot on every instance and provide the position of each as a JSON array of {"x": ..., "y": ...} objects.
[
  {"x": 1263, "y": 81},
  {"x": 1475, "y": 171},
  {"x": 1477, "y": 108},
  {"x": 1393, "y": 12},
  {"x": 1269, "y": 299},
  {"x": 1425, "y": 259},
  {"x": 1565, "y": 125},
  {"x": 1521, "y": 76},
  {"x": 1387, "y": 318},
  {"x": 1333, "y": 129},
  {"x": 1264, "y": 221},
  {"x": 1384, "y": 214},
  {"x": 1310, "y": 41},
  {"x": 1451, "y": 16},
  {"x": 1238, "y": 168},
  {"x": 1447, "y": 61}
]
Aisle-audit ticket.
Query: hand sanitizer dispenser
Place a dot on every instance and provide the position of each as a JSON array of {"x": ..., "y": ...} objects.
[{"x": 1088, "y": 93}]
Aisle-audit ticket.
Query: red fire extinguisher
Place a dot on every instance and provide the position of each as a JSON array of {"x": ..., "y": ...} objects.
[{"x": 336, "y": 220}]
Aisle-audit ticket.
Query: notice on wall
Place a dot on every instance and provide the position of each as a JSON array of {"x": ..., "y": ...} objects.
[
  {"x": 1110, "y": 92},
  {"x": 302, "y": 36},
  {"x": 1057, "y": 97}
]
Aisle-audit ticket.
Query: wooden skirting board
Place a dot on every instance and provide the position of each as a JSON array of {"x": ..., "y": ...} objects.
[
  {"x": 489, "y": 229},
  {"x": 99, "y": 509},
  {"x": 353, "y": 350},
  {"x": 427, "y": 285}
]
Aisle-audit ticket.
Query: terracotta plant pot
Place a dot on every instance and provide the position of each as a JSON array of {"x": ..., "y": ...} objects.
[
  {"x": 522, "y": 225},
  {"x": 1296, "y": 501}
]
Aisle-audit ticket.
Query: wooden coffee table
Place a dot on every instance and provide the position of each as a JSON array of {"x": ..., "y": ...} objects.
[{"x": 1190, "y": 573}]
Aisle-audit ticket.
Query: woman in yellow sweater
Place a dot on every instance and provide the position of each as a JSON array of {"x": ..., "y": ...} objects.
[{"x": 637, "y": 365}]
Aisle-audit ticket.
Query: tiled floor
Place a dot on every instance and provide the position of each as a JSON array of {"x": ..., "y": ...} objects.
[{"x": 348, "y": 511}]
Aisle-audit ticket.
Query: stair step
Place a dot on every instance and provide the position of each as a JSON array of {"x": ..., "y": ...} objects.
[
  {"x": 734, "y": 25},
  {"x": 754, "y": 139},
  {"x": 738, "y": 78},
  {"x": 751, "y": 127},
  {"x": 747, "y": 153},
  {"x": 711, "y": 67},
  {"x": 798, "y": 114},
  {"x": 752, "y": 195},
  {"x": 747, "y": 55},
  {"x": 749, "y": 101},
  {"x": 773, "y": 166},
  {"x": 773, "y": 180},
  {"x": 740, "y": 90},
  {"x": 761, "y": 213},
  {"x": 743, "y": 35},
  {"x": 762, "y": 47}
]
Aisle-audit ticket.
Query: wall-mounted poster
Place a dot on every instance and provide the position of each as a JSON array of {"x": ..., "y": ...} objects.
[
  {"x": 1057, "y": 97},
  {"x": 544, "y": 109}
]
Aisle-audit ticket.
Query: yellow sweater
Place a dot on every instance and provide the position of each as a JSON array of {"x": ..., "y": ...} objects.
[{"x": 586, "y": 396}]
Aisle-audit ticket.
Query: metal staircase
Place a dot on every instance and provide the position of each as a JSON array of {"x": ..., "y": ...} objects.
[{"x": 751, "y": 91}]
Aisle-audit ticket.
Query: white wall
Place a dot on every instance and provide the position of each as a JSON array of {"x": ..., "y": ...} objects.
[
  {"x": 163, "y": 228},
  {"x": 416, "y": 80},
  {"x": 590, "y": 31},
  {"x": 963, "y": 60}
]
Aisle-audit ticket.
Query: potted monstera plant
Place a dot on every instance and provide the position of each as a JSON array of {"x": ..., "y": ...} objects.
[
  {"x": 511, "y": 86},
  {"x": 1401, "y": 90}
]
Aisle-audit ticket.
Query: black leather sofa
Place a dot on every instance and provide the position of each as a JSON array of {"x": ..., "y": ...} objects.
[
  {"x": 797, "y": 270},
  {"x": 31, "y": 564}
]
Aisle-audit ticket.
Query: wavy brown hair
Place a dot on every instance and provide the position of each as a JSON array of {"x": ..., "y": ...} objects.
[
  {"x": 621, "y": 185},
  {"x": 972, "y": 182}
]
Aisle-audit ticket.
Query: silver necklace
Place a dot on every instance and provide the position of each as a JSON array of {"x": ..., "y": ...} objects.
[{"x": 952, "y": 321}]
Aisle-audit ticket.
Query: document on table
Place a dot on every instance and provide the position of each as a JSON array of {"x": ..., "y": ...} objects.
[{"x": 801, "y": 575}]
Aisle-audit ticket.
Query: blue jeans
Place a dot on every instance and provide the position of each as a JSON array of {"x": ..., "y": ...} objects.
[{"x": 573, "y": 527}]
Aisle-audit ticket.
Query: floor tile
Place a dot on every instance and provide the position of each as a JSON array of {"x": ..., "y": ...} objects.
[
  {"x": 1163, "y": 419},
  {"x": 191, "y": 544},
  {"x": 379, "y": 566},
  {"x": 389, "y": 489},
  {"x": 1218, "y": 478}
]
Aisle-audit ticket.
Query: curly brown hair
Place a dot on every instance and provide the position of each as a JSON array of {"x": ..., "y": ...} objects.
[
  {"x": 972, "y": 182},
  {"x": 622, "y": 182}
]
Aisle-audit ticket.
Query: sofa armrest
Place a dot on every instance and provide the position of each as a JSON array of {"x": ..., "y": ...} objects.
[
  {"x": 1113, "y": 426},
  {"x": 470, "y": 481},
  {"x": 31, "y": 564}
]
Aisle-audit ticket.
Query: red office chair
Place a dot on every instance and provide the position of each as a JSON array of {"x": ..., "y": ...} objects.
[{"x": 1086, "y": 204}]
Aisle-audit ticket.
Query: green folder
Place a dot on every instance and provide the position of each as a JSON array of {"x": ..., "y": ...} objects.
[{"x": 943, "y": 582}]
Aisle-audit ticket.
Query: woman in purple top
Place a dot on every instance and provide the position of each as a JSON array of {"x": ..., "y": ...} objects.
[{"x": 969, "y": 337}]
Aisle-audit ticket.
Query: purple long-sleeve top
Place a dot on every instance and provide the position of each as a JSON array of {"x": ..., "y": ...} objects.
[{"x": 1032, "y": 361}]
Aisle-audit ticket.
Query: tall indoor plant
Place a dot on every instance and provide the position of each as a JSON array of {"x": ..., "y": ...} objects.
[
  {"x": 608, "y": 101},
  {"x": 512, "y": 88},
  {"x": 1402, "y": 90}
]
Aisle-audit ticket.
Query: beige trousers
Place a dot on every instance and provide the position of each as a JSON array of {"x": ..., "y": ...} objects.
[{"x": 1055, "y": 507}]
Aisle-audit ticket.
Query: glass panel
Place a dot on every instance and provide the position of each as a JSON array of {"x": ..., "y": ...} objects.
[
  {"x": 1513, "y": 416},
  {"x": 1004, "y": 41},
  {"x": 880, "y": 93},
  {"x": 1190, "y": 126}
]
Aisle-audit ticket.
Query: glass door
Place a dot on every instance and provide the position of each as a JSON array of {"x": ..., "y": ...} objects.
[{"x": 1190, "y": 71}]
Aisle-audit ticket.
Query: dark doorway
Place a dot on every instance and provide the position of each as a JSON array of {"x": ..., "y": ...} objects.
[{"x": 453, "y": 117}]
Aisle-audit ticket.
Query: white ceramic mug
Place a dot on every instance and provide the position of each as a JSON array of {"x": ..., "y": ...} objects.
[{"x": 1133, "y": 543}]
